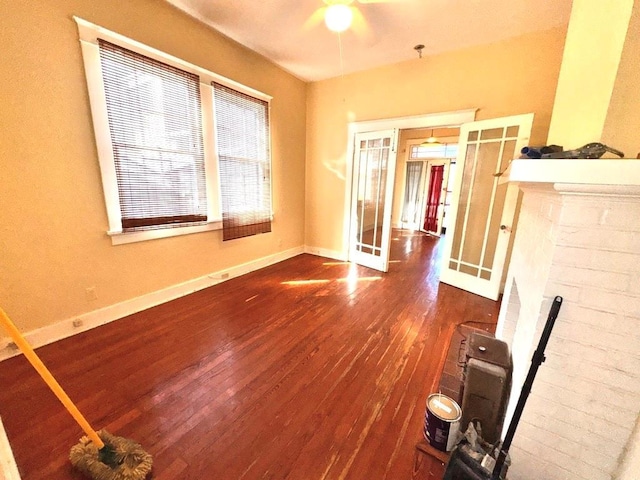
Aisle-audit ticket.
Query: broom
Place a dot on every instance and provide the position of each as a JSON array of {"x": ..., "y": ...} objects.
[{"x": 99, "y": 455}]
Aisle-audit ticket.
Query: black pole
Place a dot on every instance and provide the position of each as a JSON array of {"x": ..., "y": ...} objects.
[{"x": 536, "y": 361}]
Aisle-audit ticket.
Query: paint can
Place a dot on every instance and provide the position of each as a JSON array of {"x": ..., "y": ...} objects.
[{"x": 442, "y": 421}]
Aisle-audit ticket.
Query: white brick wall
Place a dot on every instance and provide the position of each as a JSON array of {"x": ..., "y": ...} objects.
[{"x": 585, "y": 400}]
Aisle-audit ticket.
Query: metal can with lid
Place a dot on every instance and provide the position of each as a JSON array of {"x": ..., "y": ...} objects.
[{"x": 442, "y": 421}]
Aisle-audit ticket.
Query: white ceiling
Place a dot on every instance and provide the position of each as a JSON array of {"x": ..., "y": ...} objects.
[{"x": 288, "y": 33}]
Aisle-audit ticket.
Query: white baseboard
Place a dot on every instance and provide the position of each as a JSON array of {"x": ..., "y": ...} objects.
[
  {"x": 324, "y": 252},
  {"x": 87, "y": 321}
]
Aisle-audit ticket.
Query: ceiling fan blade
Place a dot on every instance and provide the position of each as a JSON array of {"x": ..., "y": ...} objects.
[
  {"x": 315, "y": 19},
  {"x": 360, "y": 26}
]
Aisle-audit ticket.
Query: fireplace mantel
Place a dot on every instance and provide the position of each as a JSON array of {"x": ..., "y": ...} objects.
[
  {"x": 577, "y": 237},
  {"x": 616, "y": 177}
]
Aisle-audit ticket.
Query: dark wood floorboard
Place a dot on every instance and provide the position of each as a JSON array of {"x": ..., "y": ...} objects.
[{"x": 308, "y": 369}]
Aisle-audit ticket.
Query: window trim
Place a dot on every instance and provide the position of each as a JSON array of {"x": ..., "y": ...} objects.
[
  {"x": 88, "y": 36},
  {"x": 122, "y": 238}
]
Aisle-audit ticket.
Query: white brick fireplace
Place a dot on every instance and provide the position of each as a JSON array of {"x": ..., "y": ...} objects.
[{"x": 578, "y": 236}]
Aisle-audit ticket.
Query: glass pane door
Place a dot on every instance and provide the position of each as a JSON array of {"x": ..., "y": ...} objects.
[
  {"x": 372, "y": 195},
  {"x": 483, "y": 208},
  {"x": 412, "y": 195}
]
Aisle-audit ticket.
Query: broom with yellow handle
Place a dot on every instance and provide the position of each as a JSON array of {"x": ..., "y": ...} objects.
[{"x": 99, "y": 455}]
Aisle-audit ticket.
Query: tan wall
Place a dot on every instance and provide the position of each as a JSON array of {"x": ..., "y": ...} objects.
[
  {"x": 52, "y": 213},
  {"x": 595, "y": 40},
  {"x": 506, "y": 78},
  {"x": 623, "y": 117}
]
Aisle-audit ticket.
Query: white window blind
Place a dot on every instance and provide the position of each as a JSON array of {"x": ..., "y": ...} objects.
[
  {"x": 242, "y": 139},
  {"x": 154, "y": 113}
]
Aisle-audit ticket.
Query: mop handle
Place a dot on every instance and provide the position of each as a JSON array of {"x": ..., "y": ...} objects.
[{"x": 48, "y": 378}]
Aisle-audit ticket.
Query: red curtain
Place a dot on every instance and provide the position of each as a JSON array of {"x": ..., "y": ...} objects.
[{"x": 435, "y": 190}]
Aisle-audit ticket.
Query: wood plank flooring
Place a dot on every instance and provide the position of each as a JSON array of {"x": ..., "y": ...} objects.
[{"x": 308, "y": 369}]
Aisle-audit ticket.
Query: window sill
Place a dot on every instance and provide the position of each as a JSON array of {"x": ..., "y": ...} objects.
[{"x": 121, "y": 238}]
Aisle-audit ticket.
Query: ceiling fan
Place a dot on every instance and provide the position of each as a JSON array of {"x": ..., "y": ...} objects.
[{"x": 340, "y": 15}]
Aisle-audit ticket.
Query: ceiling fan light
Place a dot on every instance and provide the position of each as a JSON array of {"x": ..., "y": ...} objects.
[{"x": 338, "y": 17}]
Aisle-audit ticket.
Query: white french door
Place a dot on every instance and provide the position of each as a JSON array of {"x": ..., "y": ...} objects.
[
  {"x": 482, "y": 209},
  {"x": 371, "y": 198},
  {"x": 413, "y": 194}
]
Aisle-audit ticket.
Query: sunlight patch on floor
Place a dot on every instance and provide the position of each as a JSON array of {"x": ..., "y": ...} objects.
[
  {"x": 304, "y": 282},
  {"x": 359, "y": 279}
]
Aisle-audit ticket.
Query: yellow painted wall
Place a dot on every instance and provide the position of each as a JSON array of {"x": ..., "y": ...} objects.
[
  {"x": 506, "y": 78},
  {"x": 52, "y": 213},
  {"x": 595, "y": 39},
  {"x": 622, "y": 126}
]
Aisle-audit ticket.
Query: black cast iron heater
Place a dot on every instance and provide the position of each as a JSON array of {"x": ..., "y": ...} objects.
[{"x": 461, "y": 465}]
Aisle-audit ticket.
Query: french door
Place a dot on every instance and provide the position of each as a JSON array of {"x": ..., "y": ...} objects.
[
  {"x": 483, "y": 208},
  {"x": 412, "y": 214},
  {"x": 371, "y": 198}
]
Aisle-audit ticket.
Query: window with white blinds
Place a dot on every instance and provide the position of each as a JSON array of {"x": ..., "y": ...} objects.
[
  {"x": 242, "y": 140},
  {"x": 181, "y": 149},
  {"x": 154, "y": 113}
]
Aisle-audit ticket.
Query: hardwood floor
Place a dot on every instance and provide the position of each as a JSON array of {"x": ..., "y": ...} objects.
[{"x": 308, "y": 369}]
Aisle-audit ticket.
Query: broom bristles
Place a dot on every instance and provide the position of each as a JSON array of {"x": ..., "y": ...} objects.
[{"x": 131, "y": 461}]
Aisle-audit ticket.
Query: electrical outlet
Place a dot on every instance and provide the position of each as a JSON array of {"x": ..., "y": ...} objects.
[
  {"x": 219, "y": 276},
  {"x": 91, "y": 294},
  {"x": 77, "y": 323}
]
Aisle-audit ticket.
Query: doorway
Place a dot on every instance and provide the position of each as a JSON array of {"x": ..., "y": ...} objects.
[
  {"x": 351, "y": 227},
  {"x": 427, "y": 187},
  {"x": 434, "y": 196},
  {"x": 477, "y": 246}
]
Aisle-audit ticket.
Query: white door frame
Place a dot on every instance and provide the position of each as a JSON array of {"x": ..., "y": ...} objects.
[{"x": 444, "y": 119}]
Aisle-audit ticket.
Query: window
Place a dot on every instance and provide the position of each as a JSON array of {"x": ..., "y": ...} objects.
[
  {"x": 181, "y": 149},
  {"x": 242, "y": 127},
  {"x": 444, "y": 150},
  {"x": 374, "y": 154},
  {"x": 156, "y": 136}
]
